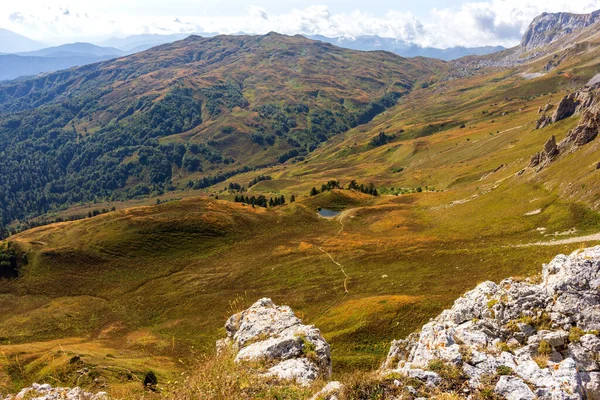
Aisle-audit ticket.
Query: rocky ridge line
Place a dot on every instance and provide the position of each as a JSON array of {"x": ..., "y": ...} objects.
[{"x": 550, "y": 27}]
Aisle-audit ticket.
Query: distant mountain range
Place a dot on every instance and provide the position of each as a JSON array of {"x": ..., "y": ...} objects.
[
  {"x": 75, "y": 50},
  {"x": 21, "y": 56},
  {"x": 242, "y": 111},
  {"x": 137, "y": 43},
  {"x": 11, "y": 42},
  {"x": 405, "y": 49},
  {"x": 54, "y": 58}
]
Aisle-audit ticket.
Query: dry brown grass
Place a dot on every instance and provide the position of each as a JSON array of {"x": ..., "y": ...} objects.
[{"x": 218, "y": 377}]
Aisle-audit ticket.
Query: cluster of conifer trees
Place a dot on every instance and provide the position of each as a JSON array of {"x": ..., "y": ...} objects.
[
  {"x": 261, "y": 201},
  {"x": 9, "y": 262},
  {"x": 353, "y": 185}
]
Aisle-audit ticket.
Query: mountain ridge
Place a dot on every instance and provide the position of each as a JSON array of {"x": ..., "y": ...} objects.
[
  {"x": 550, "y": 27},
  {"x": 405, "y": 49},
  {"x": 11, "y": 42},
  {"x": 13, "y": 66},
  {"x": 71, "y": 49}
]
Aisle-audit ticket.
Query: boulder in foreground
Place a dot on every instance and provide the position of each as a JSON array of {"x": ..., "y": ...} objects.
[
  {"x": 47, "y": 392},
  {"x": 524, "y": 339},
  {"x": 273, "y": 335}
]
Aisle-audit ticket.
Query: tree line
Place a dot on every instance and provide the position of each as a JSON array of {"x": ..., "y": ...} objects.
[
  {"x": 10, "y": 261},
  {"x": 353, "y": 185},
  {"x": 259, "y": 178},
  {"x": 261, "y": 201}
]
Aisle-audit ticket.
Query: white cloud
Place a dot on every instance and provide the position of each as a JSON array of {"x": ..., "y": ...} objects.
[
  {"x": 493, "y": 22},
  {"x": 470, "y": 24}
]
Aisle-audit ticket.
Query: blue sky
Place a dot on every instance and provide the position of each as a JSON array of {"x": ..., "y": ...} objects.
[{"x": 425, "y": 22}]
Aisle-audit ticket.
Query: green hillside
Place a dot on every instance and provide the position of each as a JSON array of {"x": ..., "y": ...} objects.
[{"x": 185, "y": 115}]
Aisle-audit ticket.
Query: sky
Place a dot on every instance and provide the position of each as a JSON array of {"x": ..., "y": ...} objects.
[{"x": 434, "y": 23}]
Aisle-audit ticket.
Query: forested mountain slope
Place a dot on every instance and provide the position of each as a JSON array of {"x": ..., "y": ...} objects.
[{"x": 192, "y": 112}]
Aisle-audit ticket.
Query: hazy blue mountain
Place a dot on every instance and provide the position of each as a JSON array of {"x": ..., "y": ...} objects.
[
  {"x": 405, "y": 49},
  {"x": 11, "y": 42},
  {"x": 135, "y": 43},
  {"x": 451, "y": 53},
  {"x": 75, "y": 50},
  {"x": 13, "y": 66}
]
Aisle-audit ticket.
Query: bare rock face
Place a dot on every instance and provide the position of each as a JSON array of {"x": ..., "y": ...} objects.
[
  {"x": 585, "y": 132},
  {"x": 545, "y": 156},
  {"x": 533, "y": 340},
  {"x": 550, "y": 27},
  {"x": 585, "y": 102},
  {"x": 270, "y": 333},
  {"x": 566, "y": 108},
  {"x": 543, "y": 121},
  {"x": 47, "y": 392}
]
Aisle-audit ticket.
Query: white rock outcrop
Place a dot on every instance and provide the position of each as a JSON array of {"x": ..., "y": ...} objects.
[
  {"x": 273, "y": 334},
  {"x": 532, "y": 340},
  {"x": 47, "y": 392}
]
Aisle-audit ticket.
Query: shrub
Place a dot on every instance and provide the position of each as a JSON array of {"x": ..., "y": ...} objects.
[
  {"x": 575, "y": 334},
  {"x": 504, "y": 370},
  {"x": 492, "y": 303},
  {"x": 308, "y": 348},
  {"x": 487, "y": 393},
  {"x": 466, "y": 353},
  {"x": 150, "y": 379},
  {"x": 452, "y": 375},
  {"x": 361, "y": 385},
  {"x": 381, "y": 139},
  {"x": 541, "y": 361},
  {"x": 227, "y": 129},
  {"x": 544, "y": 349},
  {"x": 503, "y": 346}
]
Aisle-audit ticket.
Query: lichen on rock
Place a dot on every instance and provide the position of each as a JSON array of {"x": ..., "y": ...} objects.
[
  {"x": 275, "y": 336},
  {"x": 532, "y": 340}
]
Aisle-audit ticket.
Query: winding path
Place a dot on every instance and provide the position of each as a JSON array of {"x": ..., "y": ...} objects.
[
  {"x": 340, "y": 219},
  {"x": 580, "y": 239},
  {"x": 341, "y": 269}
]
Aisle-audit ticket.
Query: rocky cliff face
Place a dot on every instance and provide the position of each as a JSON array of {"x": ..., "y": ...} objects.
[
  {"x": 527, "y": 340},
  {"x": 585, "y": 102},
  {"x": 548, "y": 28}
]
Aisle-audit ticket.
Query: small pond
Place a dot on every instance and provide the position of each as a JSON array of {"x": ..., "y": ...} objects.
[{"x": 326, "y": 213}]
